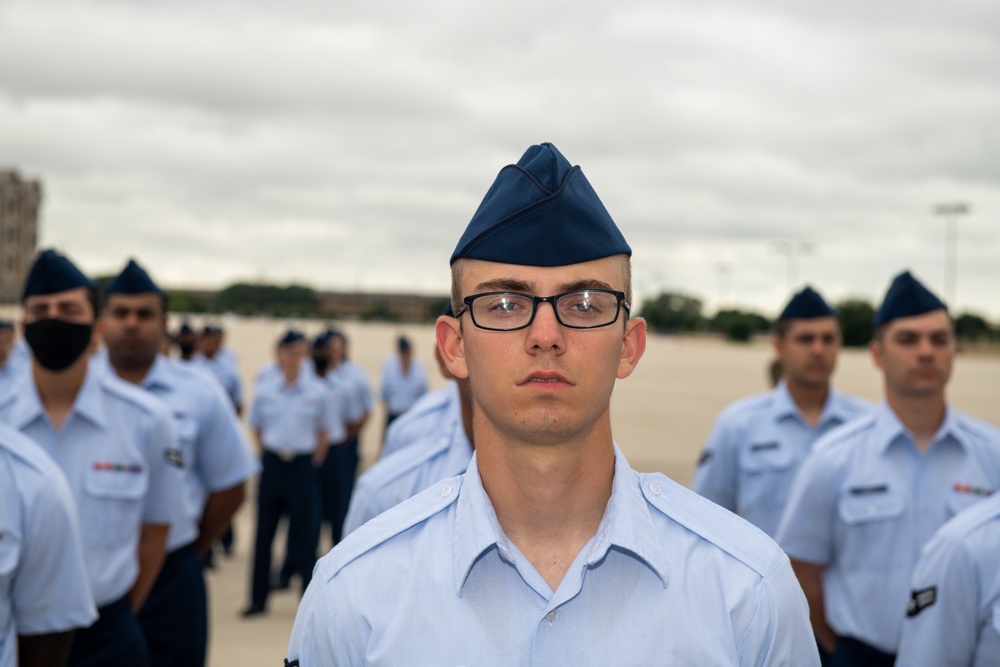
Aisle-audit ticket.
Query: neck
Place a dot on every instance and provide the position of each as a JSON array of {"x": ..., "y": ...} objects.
[
  {"x": 133, "y": 375},
  {"x": 921, "y": 414},
  {"x": 549, "y": 499},
  {"x": 291, "y": 376},
  {"x": 465, "y": 399},
  {"x": 810, "y": 399},
  {"x": 58, "y": 390}
]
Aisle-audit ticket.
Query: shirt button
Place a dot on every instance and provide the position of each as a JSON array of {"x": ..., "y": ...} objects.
[
  {"x": 551, "y": 616},
  {"x": 445, "y": 491},
  {"x": 655, "y": 489}
]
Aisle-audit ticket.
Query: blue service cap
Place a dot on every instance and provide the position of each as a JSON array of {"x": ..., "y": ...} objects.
[
  {"x": 52, "y": 273},
  {"x": 185, "y": 329},
  {"x": 133, "y": 280},
  {"x": 541, "y": 212},
  {"x": 403, "y": 343},
  {"x": 322, "y": 340},
  {"x": 807, "y": 305},
  {"x": 6, "y": 325},
  {"x": 291, "y": 336},
  {"x": 906, "y": 297}
]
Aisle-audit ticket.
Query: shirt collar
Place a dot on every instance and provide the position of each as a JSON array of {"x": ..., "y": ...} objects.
[
  {"x": 888, "y": 428},
  {"x": 88, "y": 404},
  {"x": 627, "y": 524},
  {"x": 785, "y": 407},
  {"x": 158, "y": 375}
]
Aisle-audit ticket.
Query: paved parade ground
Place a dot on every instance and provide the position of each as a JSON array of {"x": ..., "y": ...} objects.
[{"x": 661, "y": 415}]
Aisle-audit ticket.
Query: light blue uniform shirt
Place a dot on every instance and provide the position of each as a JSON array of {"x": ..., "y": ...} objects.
[
  {"x": 668, "y": 579},
  {"x": 358, "y": 379},
  {"x": 954, "y": 612},
  {"x": 867, "y": 500},
  {"x": 401, "y": 390},
  {"x": 756, "y": 447},
  {"x": 432, "y": 413},
  {"x": 43, "y": 581},
  {"x": 444, "y": 452},
  {"x": 212, "y": 448},
  {"x": 290, "y": 416},
  {"x": 115, "y": 448},
  {"x": 225, "y": 370},
  {"x": 349, "y": 394}
]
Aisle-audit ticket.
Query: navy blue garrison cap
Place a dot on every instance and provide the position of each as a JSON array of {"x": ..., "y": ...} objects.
[
  {"x": 291, "y": 336},
  {"x": 906, "y": 297},
  {"x": 541, "y": 212},
  {"x": 322, "y": 340},
  {"x": 52, "y": 273},
  {"x": 6, "y": 325},
  {"x": 185, "y": 329},
  {"x": 133, "y": 280},
  {"x": 807, "y": 305}
]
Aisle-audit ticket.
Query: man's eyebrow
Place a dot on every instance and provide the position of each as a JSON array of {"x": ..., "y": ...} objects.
[
  {"x": 504, "y": 285},
  {"x": 515, "y": 285}
]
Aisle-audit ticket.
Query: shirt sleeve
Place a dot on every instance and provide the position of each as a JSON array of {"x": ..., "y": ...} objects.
[
  {"x": 320, "y": 636},
  {"x": 254, "y": 417},
  {"x": 224, "y": 455},
  {"x": 942, "y": 617},
  {"x": 166, "y": 499},
  {"x": 715, "y": 477},
  {"x": 779, "y": 634},
  {"x": 52, "y": 592},
  {"x": 806, "y": 531}
]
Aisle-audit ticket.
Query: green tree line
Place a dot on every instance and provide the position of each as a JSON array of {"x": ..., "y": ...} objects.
[{"x": 676, "y": 312}]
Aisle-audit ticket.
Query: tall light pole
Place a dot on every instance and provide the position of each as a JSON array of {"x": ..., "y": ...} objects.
[
  {"x": 793, "y": 250},
  {"x": 950, "y": 211}
]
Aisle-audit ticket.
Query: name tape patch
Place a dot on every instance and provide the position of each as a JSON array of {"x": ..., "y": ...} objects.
[
  {"x": 868, "y": 490},
  {"x": 133, "y": 468},
  {"x": 920, "y": 600},
  {"x": 763, "y": 446}
]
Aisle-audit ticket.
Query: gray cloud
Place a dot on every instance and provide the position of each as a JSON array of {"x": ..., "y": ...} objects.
[{"x": 347, "y": 144}]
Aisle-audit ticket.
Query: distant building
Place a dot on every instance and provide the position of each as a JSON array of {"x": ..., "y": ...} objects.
[{"x": 19, "y": 203}]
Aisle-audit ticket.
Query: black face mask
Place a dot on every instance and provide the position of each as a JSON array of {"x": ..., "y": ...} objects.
[
  {"x": 56, "y": 344},
  {"x": 321, "y": 364},
  {"x": 187, "y": 349}
]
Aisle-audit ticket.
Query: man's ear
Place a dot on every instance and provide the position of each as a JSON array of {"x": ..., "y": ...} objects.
[
  {"x": 633, "y": 346},
  {"x": 451, "y": 345}
]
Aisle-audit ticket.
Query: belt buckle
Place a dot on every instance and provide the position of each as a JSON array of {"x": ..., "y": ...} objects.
[{"x": 287, "y": 457}]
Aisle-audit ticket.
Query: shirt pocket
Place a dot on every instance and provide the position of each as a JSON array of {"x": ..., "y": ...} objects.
[
  {"x": 872, "y": 531},
  {"x": 766, "y": 472},
  {"x": 111, "y": 512}
]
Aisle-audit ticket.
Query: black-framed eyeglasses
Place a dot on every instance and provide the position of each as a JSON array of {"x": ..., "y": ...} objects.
[{"x": 510, "y": 311}]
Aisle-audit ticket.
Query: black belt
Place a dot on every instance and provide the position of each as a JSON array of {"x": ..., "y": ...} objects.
[{"x": 286, "y": 457}]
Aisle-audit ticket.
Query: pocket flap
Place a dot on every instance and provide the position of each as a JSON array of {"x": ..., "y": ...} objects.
[
  {"x": 123, "y": 481},
  {"x": 187, "y": 429},
  {"x": 770, "y": 455},
  {"x": 872, "y": 503}
]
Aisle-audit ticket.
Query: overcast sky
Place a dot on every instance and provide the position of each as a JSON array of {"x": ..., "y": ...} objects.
[{"x": 346, "y": 144}]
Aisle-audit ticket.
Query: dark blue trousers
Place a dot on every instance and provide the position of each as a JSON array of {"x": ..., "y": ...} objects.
[
  {"x": 286, "y": 487},
  {"x": 174, "y": 618},
  {"x": 853, "y": 653},
  {"x": 114, "y": 640},
  {"x": 335, "y": 479},
  {"x": 337, "y": 475}
]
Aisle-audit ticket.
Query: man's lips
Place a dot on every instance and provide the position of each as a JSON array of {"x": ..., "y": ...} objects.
[{"x": 545, "y": 378}]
